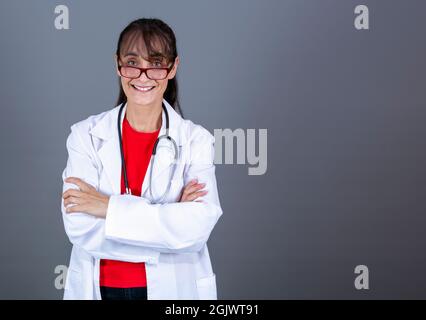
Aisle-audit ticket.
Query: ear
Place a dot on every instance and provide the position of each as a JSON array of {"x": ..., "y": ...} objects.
[{"x": 172, "y": 73}]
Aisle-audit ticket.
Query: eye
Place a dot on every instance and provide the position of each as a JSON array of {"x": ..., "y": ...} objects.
[
  {"x": 130, "y": 63},
  {"x": 157, "y": 64}
]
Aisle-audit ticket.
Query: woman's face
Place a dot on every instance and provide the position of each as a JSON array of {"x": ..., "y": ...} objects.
[{"x": 136, "y": 89}]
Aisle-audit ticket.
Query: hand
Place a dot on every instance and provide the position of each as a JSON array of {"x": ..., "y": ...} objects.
[
  {"x": 190, "y": 191},
  {"x": 86, "y": 200}
]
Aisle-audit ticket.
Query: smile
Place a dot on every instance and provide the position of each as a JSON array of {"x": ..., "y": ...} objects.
[{"x": 142, "y": 89}]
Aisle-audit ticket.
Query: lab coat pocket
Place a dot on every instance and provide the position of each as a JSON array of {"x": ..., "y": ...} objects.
[{"x": 206, "y": 288}]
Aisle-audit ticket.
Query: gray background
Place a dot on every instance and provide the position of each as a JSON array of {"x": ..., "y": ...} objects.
[{"x": 344, "y": 109}]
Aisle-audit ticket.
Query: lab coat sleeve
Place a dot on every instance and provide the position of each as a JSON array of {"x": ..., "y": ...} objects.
[
  {"x": 177, "y": 227},
  {"x": 87, "y": 231}
]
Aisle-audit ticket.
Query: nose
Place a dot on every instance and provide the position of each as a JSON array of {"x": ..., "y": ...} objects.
[{"x": 143, "y": 76}]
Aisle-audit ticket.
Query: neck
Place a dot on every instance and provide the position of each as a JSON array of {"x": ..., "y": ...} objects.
[{"x": 144, "y": 118}]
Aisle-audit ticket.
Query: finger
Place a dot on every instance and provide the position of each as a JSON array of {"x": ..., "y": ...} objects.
[
  {"x": 195, "y": 195},
  {"x": 188, "y": 191},
  {"x": 191, "y": 182},
  {"x": 80, "y": 183},
  {"x": 73, "y": 200},
  {"x": 76, "y": 208},
  {"x": 194, "y": 188},
  {"x": 72, "y": 192}
]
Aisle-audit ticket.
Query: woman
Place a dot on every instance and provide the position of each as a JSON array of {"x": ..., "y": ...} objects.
[{"x": 139, "y": 222}]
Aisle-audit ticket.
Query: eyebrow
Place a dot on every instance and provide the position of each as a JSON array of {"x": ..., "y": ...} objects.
[
  {"x": 131, "y": 54},
  {"x": 155, "y": 57}
]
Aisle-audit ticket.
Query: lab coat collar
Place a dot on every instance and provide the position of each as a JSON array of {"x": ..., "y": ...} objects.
[{"x": 109, "y": 152}]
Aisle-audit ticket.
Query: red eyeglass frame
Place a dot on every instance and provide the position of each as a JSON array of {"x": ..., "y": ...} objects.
[{"x": 143, "y": 70}]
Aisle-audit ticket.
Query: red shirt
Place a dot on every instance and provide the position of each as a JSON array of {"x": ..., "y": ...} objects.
[{"x": 137, "y": 147}]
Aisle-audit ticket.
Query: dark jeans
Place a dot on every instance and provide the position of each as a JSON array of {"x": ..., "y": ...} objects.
[{"x": 108, "y": 293}]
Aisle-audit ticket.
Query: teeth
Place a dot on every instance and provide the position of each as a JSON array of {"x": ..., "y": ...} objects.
[{"x": 143, "y": 89}]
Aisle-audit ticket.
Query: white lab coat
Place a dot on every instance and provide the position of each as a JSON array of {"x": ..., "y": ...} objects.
[{"x": 170, "y": 237}]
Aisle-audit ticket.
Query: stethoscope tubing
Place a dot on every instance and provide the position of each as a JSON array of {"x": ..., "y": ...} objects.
[{"x": 154, "y": 151}]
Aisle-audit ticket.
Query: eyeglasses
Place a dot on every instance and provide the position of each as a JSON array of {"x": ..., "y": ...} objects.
[{"x": 151, "y": 73}]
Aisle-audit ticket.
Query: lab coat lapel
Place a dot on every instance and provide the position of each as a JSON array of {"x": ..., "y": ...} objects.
[
  {"x": 109, "y": 152},
  {"x": 164, "y": 156}
]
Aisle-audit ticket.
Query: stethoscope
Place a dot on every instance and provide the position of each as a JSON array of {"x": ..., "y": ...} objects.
[{"x": 154, "y": 151}]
